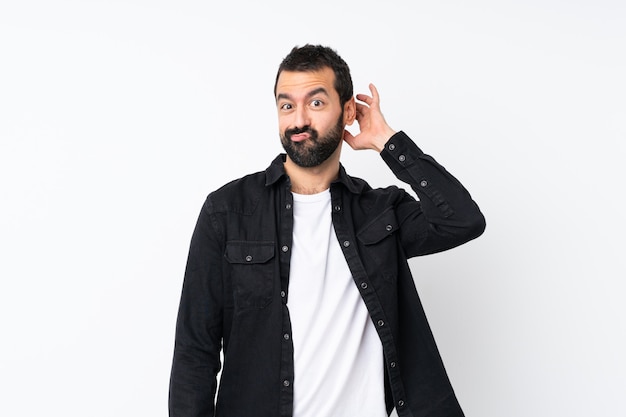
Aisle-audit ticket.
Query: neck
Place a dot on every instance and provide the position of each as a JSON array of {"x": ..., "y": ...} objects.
[{"x": 313, "y": 180}]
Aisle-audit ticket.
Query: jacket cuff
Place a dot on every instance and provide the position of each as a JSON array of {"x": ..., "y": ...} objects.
[{"x": 400, "y": 151}]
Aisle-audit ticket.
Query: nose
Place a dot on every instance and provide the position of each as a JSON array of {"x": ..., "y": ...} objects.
[{"x": 301, "y": 117}]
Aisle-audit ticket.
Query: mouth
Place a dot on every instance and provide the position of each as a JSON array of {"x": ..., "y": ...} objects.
[{"x": 300, "y": 137}]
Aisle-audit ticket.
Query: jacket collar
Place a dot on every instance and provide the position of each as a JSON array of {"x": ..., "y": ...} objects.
[{"x": 276, "y": 172}]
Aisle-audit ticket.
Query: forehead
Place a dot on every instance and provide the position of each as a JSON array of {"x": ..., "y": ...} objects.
[{"x": 297, "y": 83}]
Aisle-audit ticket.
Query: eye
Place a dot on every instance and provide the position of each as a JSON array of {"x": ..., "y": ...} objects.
[
  {"x": 286, "y": 106},
  {"x": 317, "y": 103}
]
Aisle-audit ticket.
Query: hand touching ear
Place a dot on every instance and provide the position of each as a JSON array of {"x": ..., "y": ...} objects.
[{"x": 374, "y": 130}]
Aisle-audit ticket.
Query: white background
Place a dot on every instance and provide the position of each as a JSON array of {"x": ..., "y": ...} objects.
[{"x": 117, "y": 118}]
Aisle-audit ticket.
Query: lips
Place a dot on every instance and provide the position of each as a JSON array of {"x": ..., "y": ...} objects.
[{"x": 300, "y": 137}]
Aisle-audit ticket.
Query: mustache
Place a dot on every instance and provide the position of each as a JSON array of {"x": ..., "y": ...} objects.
[{"x": 298, "y": 130}]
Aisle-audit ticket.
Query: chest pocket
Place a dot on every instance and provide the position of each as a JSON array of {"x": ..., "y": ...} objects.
[
  {"x": 379, "y": 239},
  {"x": 252, "y": 272}
]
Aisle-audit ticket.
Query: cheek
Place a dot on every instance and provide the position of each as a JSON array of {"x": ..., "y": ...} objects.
[
  {"x": 286, "y": 121},
  {"x": 322, "y": 121},
  {"x": 331, "y": 122}
]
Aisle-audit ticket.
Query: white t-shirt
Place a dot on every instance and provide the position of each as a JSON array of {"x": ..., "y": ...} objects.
[{"x": 338, "y": 354}]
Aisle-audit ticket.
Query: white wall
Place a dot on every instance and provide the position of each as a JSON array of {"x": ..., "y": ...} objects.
[{"x": 118, "y": 117}]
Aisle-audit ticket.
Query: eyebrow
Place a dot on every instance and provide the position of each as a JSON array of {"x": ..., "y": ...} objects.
[{"x": 311, "y": 93}]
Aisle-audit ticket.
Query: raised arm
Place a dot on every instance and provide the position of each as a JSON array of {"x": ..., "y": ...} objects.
[{"x": 445, "y": 215}]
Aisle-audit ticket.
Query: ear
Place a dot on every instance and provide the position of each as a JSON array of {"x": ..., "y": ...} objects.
[{"x": 349, "y": 112}]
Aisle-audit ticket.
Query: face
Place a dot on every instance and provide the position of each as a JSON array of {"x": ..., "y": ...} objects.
[{"x": 310, "y": 118}]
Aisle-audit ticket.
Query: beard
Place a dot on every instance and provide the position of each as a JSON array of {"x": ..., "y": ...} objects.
[{"x": 315, "y": 150}]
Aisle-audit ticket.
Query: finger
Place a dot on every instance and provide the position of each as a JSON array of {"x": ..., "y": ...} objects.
[
  {"x": 361, "y": 108},
  {"x": 373, "y": 90},
  {"x": 361, "y": 111},
  {"x": 364, "y": 98},
  {"x": 375, "y": 95},
  {"x": 348, "y": 137}
]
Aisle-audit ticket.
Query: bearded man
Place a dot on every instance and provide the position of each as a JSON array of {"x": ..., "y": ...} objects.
[{"x": 298, "y": 275}]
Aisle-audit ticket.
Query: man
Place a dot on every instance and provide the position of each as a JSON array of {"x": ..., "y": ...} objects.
[{"x": 299, "y": 273}]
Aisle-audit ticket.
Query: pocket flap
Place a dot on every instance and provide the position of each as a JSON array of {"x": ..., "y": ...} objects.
[
  {"x": 379, "y": 228},
  {"x": 247, "y": 252}
]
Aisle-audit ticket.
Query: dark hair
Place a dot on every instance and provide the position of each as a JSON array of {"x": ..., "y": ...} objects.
[{"x": 310, "y": 58}]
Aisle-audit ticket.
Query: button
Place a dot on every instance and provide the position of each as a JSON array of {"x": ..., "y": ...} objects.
[
  {"x": 392, "y": 146},
  {"x": 400, "y": 403},
  {"x": 288, "y": 206},
  {"x": 337, "y": 208},
  {"x": 392, "y": 364},
  {"x": 283, "y": 294},
  {"x": 346, "y": 243},
  {"x": 286, "y": 336},
  {"x": 248, "y": 258},
  {"x": 424, "y": 183},
  {"x": 381, "y": 323},
  {"x": 286, "y": 383},
  {"x": 402, "y": 158},
  {"x": 364, "y": 285},
  {"x": 389, "y": 227},
  {"x": 285, "y": 248}
]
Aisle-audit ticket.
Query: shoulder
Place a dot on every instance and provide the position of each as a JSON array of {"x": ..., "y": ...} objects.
[{"x": 239, "y": 195}]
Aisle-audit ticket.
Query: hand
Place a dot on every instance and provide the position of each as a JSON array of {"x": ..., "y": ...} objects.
[{"x": 374, "y": 130}]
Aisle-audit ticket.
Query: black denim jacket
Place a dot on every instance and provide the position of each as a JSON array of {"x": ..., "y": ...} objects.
[{"x": 236, "y": 287}]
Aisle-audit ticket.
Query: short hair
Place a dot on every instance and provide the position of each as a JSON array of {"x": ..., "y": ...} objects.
[{"x": 309, "y": 58}]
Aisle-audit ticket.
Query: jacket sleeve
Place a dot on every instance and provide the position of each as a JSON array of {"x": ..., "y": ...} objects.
[
  {"x": 193, "y": 380},
  {"x": 445, "y": 215}
]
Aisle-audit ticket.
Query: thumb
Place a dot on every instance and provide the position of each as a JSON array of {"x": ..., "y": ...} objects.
[{"x": 349, "y": 138}]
